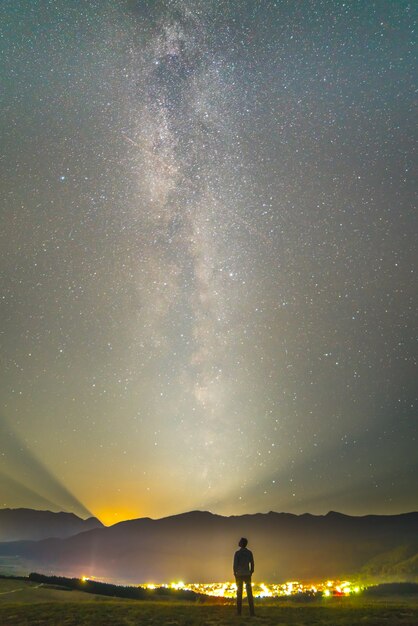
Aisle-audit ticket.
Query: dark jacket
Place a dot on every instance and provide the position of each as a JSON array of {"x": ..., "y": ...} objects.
[{"x": 243, "y": 562}]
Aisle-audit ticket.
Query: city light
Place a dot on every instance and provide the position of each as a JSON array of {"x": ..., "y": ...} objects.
[{"x": 328, "y": 588}]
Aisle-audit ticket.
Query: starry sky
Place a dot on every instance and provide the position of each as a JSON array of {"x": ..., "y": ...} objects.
[{"x": 208, "y": 256}]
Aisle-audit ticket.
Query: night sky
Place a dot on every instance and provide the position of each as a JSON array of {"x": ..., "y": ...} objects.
[{"x": 208, "y": 243}]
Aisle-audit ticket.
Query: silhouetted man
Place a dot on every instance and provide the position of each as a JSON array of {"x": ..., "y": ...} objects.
[{"x": 243, "y": 569}]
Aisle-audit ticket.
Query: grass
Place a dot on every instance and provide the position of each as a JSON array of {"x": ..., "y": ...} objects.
[
  {"x": 25, "y": 592},
  {"x": 27, "y": 604}
]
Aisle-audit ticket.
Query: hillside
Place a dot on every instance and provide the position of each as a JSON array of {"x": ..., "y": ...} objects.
[
  {"x": 17, "y": 524},
  {"x": 198, "y": 546}
]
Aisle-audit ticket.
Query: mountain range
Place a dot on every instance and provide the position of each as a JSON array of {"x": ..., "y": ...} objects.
[
  {"x": 31, "y": 524},
  {"x": 198, "y": 547}
]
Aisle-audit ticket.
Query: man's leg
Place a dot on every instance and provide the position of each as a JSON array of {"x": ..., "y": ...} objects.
[
  {"x": 250, "y": 596},
  {"x": 239, "y": 595}
]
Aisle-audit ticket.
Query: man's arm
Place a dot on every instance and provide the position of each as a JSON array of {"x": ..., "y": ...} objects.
[
  {"x": 235, "y": 563},
  {"x": 252, "y": 564}
]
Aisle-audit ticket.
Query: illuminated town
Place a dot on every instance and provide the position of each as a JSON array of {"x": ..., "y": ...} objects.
[{"x": 264, "y": 590}]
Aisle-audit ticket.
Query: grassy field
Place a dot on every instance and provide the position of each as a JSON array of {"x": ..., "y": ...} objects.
[{"x": 28, "y": 604}]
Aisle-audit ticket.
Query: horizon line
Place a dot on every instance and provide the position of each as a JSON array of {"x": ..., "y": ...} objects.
[{"x": 207, "y": 512}]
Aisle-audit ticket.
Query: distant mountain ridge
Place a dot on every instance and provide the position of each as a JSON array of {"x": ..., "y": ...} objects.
[
  {"x": 18, "y": 524},
  {"x": 198, "y": 547}
]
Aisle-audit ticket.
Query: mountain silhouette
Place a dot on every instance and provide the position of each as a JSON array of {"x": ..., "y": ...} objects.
[
  {"x": 18, "y": 524},
  {"x": 198, "y": 547}
]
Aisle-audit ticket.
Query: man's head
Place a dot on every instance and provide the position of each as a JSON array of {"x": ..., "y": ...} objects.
[{"x": 243, "y": 542}]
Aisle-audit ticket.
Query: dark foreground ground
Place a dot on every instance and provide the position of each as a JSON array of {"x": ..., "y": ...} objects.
[
  {"x": 28, "y": 604},
  {"x": 118, "y": 614}
]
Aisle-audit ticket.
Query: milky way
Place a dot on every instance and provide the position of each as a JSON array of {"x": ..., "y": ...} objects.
[{"x": 208, "y": 253}]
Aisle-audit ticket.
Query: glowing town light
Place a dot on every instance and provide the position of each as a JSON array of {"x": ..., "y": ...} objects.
[
  {"x": 262, "y": 590},
  {"x": 179, "y": 585},
  {"x": 265, "y": 592},
  {"x": 289, "y": 588}
]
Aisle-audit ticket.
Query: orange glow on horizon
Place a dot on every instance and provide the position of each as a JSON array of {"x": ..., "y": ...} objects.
[{"x": 113, "y": 516}]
